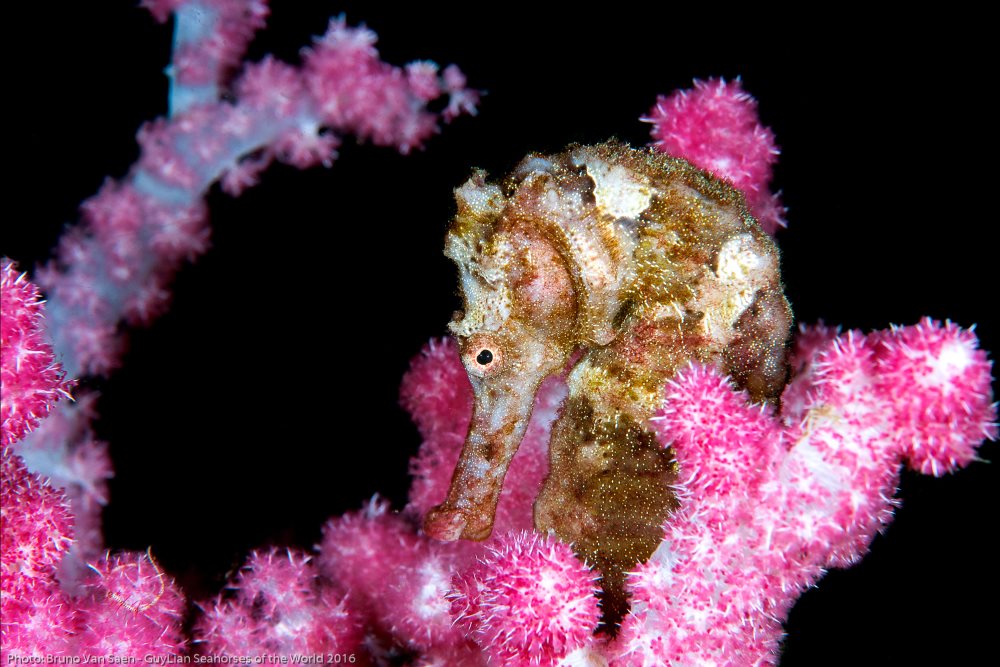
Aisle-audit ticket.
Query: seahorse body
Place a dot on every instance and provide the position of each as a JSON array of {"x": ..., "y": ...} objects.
[{"x": 638, "y": 260}]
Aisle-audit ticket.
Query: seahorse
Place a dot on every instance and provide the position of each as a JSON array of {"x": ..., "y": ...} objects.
[{"x": 628, "y": 264}]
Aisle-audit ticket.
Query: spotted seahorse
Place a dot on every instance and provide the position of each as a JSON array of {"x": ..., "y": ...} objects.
[{"x": 632, "y": 263}]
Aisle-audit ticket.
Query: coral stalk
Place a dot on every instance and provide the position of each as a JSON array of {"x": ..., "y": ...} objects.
[
  {"x": 116, "y": 266},
  {"x": 772, "y": 500}
]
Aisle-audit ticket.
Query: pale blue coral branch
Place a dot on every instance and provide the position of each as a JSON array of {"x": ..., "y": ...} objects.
[
  {"x": 194, "y": 23},
  {"x": 137, "y": 232}
]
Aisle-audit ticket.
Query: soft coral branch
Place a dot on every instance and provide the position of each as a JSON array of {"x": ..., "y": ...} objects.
[
  {"x": 126, "y": 605},
  {"x": 279, "y": 607},
  {"x": 116, "y": 265},
  {"x": 771, "y": 500},
  {"x": 30, "y": 379}
]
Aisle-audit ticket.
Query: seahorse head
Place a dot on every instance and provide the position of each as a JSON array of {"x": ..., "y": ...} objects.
[
  {"x": 517, "y": 327},
  {"x": 519, "y": 308},
  {"x": 539, "y": 277}
]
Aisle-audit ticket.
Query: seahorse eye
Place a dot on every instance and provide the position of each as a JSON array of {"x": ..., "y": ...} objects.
[{"x": 483, "y": 354}]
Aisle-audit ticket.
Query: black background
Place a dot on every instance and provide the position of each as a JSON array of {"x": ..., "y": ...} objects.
[{"x": 265, "y": 401}]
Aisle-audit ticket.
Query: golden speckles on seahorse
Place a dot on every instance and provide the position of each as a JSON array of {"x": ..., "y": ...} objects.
[
  {"x": 644, "y": 263},
  {"x": 608, "y": 491}
]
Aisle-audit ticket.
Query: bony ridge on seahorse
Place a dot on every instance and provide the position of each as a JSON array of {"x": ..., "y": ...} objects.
[{"x": 640, "y": 261}]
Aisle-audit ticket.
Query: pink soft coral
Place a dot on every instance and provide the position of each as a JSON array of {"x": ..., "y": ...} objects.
[
  {"x": 137, "y": 231},
  {"x": 37, "y": 530},
  {"x": 714, "y": 126},
  {"x": 395, "y": 578},
  {"x": 280, "y": 608},
  {"x": 528, "y": 601},
  {"x": 130, "y": 607},
  {"x": 116, "y": 266},
  {"x": 30, "y": 379},
  {"x": 73, "y": 459},
  {"x": 770, "y": 501},
  {"x": 126, "y": 605}
]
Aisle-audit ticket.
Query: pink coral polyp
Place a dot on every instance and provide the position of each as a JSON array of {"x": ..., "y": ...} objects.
[
  {"x": 280, "y": 607},
  {"x": 943, "y": 422},
  {"x": 529, "y": 601},
  {"x": 131, "y": 608},
  {"x": 31, "y": 379},
  {"x": 37, "y": 527},
  {"x": 714, "y": 126}
]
